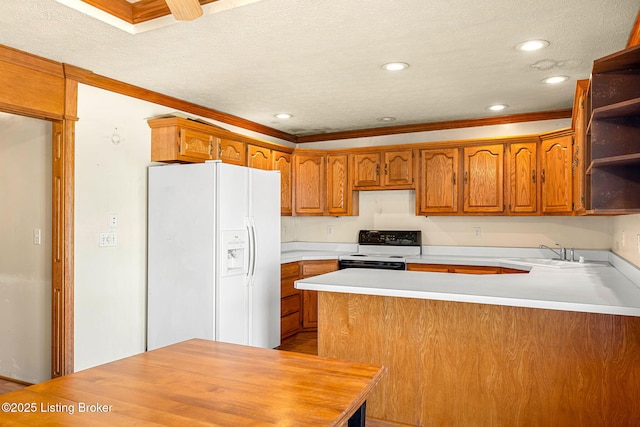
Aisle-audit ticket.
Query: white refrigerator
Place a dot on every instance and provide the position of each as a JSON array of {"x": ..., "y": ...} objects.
[{"x": 213, "y": 254}]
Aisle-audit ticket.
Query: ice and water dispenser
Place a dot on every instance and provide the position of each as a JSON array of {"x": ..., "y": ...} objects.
[{"x": 235, "y": 249}]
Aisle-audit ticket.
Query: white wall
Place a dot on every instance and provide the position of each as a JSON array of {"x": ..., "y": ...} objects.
[
  {"x": 628, "y": 247},
  {"x": 25, "y": 268},
  {"x": 110, "y": 282}
]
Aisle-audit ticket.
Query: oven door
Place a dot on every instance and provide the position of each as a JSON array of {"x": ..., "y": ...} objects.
[{"x": 379, "y": 265}]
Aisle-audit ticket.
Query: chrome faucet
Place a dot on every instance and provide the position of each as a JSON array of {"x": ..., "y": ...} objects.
[{"x": 562, "y": 252}]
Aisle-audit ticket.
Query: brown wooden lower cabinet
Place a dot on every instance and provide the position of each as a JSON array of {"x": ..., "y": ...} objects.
[
  {"x": 290, "y": 304},
  {"x": 465, "y": 364},
  {"x": 462, "y": 269},
  {"x": 299, "y": 309},
  {"x": 310, "y": 298}
]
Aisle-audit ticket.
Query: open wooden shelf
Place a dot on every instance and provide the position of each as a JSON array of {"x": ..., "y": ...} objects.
[
  {"x": 627, "y": 108},
  {"x": 613, "y": 135},
  {"x": 626, "y": 159}
]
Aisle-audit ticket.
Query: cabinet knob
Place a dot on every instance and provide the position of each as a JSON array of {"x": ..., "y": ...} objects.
[
  {"x": 533, "y": 176},
  {"x": 454, "y": 178},
  {"x": 542, "y": 176}
]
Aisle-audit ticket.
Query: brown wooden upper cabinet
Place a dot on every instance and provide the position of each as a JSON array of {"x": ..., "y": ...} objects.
[
  {"x": 341, "y": 200},
  {"x": 578, "y": 164},
  {"x": 282, "y": 162},
  {"x": 483, "y": 179},
  {"x": 310, "y": 179},
  {"x": 322, "y": 185},
  {"x": 376, "y": 170},
  {"x": 259, "y": 157},
  {"x": 523, "y": 185},
  {"x": 437, "y": 190},
  {"x": 555, "y": 173},
  {"x": 178, "y": 140},
  {"x": 231, "y": 151}
]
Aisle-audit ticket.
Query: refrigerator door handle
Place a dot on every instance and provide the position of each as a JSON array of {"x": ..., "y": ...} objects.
[{"x": 252, "y": 250}]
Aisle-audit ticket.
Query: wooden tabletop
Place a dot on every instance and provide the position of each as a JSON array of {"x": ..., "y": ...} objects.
[{"x": 200, "y": 382}]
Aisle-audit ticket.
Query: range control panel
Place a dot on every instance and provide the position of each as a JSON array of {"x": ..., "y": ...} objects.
[{"x": 390, "y": 238}]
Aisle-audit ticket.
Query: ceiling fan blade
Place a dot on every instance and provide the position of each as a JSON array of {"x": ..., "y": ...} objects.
[{"x": 185, "y": 10}]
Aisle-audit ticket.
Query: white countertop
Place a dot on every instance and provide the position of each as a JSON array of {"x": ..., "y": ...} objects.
[{"x": 595, "y": 287}]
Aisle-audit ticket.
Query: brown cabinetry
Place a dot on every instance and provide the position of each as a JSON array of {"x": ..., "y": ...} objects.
[
  {"x": 179, "y": 140},
  {"x": 310, "y": 298},
  {"x": 282, "y": 162},
  {"x": 555, "y": 174},
  {"x": 462, "y": 269},
  {"x": 310, "y": 179},
  {"x": 383, "y": 169},
  {"x": 437, "y": 189},
  {"x": 290, "y": 301},
  {"x": 613, "y": 134},
  {"x": 322, "y": 185},
  {"x": 523, "y": 187},
  {"x": 258, "y": 157},
  {"x": 341, "y": 200},
  {"x": 578, "y": 167},
  {"x": 231, "y": 151},
  {"x": 483, "y": 169}
]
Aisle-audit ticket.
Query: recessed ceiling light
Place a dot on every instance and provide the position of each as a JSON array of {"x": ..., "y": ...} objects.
[
  {"x": 555, "y": 80},
  {"x": 386, "y": 119},
  {"x": 497, "y": 107},
  {"x": 530, "y": 45},
  {"x": 283, "y": 116},
  {"x": 395, "y": 66}
]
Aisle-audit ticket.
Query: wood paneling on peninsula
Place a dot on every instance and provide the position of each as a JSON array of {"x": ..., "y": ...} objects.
[{"x": 465, "y": 364}]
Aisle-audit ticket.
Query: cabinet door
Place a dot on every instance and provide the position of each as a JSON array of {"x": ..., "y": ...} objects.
[
  {"x": 309, "y": 178},
  {"x": 366, "y": 170},
  {"x": 258, "y": 157},
  {"x": 282, "y": 162},
  {"x": 578, "y": 167},
  {"x": 310, "y": 298},
  {"x": 556, "y": 174},
  {"x": 438, "y": 185},
  {"x": 398, "y": 168},
  {"x": 231, "y": 151},
  {"x": 523, "y": 194},
  {"x": 194, "y": 144},
  {"x": 309, "y": 310},
  {"x": 484, "y": 179},
  {"x": 338, "y": 193}
]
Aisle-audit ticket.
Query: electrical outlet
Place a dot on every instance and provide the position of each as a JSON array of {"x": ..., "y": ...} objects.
[
  {"x": 329, "y": 231},
  {"x": 638, "y": 239},
  {"x": 476, "y": 232},
  {"x": 113, "y": 220}
]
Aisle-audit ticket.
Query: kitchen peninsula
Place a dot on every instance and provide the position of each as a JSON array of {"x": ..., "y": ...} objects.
[{"x": 557, "y": 346}]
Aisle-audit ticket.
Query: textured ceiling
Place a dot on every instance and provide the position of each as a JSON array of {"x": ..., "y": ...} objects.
[{"x": 320, "y": 59}]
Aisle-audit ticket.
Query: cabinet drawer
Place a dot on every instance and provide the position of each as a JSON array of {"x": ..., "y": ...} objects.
[
  {"x": 314, "y": 268},
  {"x": 475, "y": 270},
  {"x": 432, "y": 268},
  {"x": 290, "y": 269},
  {"x": 289, "y": 305},
  {"x": 286, "y": 287},
  {"x": 289, "y": 324}
]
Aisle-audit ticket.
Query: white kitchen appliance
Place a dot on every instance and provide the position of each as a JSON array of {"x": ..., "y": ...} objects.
[{"x": 213, "y": 254}]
